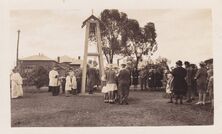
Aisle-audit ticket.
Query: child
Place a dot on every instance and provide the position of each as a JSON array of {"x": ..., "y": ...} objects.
[
  {"x": 104, "y": 89},
  {"x": 70, "y": 84},
  {"x": 169, "y": 87}
]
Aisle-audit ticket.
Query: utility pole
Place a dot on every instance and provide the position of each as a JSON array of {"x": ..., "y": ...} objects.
[{"x": 17, "y": 52}]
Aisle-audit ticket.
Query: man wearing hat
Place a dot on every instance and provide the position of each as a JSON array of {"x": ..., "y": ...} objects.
[
  {"x": 143, "y": 77},
  {"x": 179, "y": 82},
  {"x": 190, "y": 81},
  {"x": 92, "y": 77},
  {"x": 124, "y": 84}
]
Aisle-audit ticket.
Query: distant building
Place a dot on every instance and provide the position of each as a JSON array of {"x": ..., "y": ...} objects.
[{"x": 27, "y": 64}]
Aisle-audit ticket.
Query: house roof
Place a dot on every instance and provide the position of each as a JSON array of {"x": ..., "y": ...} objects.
[
  {"x": 65, "y": 58},
  {"x": 77, "y": 62},
  {"x": 39, "y": 57}
]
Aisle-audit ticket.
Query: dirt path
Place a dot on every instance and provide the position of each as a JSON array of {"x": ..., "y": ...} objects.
[{"x": 144, "y": 109}]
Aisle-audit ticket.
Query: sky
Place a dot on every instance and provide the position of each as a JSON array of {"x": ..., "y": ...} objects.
[{"x": 181, "y": 34}]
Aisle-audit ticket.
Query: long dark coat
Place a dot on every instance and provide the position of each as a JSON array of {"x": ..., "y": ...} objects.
[
  {"x": 179, "y": 82},
  {"x": 135, "y": 75}
]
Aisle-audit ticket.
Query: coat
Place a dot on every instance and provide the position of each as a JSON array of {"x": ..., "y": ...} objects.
[
  {"x": 190, "y": 76},
  {"x": 179, "y": 82},
  {"x": 92, "y": 76},
  {"x": 70, "y": 83},
  {"x": 201, "y": 78},
  {"x": 124, "y": 77},
  {"x": 53, "y": 78},
  {"x": 110, "y": 77},
  {"x": 16, "y": 85},
  {"x": 135, "y": 75}
]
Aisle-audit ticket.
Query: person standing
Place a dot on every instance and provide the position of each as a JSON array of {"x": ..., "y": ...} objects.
[
  {"x": 63, "y": 83},
  {"x": 71, "y": 84},
  {"x": 210, "y": 86},
  {"x": 135, "y": 76},
  {"x": 79, "y": 79},
  {"x": 169, "y": 87},
  {"x": 201, "y": 78},
  {"x": 92, "y": 78},
  {"x": 16, "y": 84},
  {"x": 143, "y": 78},
  {"x": 124, "y": 84},
  {"x": 54, "y": 81},
  {"x": 179, "y": 82},
  {"x": 111, "y": 83},
  {"x": 189, "y": 79}
]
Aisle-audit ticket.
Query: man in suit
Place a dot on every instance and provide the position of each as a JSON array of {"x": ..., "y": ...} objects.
[
  {"x": 143, "y": 78},
  {"x": 92, "y": 78},
  {"x": 124, "y": 84}
]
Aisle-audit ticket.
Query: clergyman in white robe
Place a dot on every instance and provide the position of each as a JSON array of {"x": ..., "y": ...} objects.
[{"x": 16, "y": 85}]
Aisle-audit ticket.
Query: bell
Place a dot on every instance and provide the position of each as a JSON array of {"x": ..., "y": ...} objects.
[{"x": 92, "y": 28}]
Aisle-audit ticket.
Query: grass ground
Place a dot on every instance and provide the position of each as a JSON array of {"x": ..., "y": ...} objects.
[{"x": 41, "y": 109}]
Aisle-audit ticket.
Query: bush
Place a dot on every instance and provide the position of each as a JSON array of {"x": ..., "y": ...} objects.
[{"x": 39, "y": 77}]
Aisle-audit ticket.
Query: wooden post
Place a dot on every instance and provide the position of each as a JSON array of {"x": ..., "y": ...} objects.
[
  {"x": 99, "y": 48},
  {"x": 17, "y": 52},
  {"x": 83, "y": 89}
]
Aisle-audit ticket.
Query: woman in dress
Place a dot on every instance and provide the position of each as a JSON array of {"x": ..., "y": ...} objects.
[
  {"x": 111, "y": 85},
  {"x": 169, "y": 86},
  {"x": 201, "y": 78},
  {"x": 16, "y": 84}
]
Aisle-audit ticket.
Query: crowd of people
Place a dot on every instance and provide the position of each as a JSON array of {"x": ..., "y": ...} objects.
[
  {"x": 181, "y": 82},
  {"x": 186, "y": 82}
]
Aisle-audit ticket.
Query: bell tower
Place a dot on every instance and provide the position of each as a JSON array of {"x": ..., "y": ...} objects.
[{"x": 92, "y": 24}]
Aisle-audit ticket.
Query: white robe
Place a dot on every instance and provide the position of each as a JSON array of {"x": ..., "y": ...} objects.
[
  {"x": 53, "y": 81},
  {"x": 16, "y": 85},
  {"x": 70, "y": 83}
]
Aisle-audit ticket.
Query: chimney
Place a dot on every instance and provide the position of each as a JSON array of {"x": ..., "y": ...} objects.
[
  {"x": 79, "y": 57},
  {"x": 58, "y": 59}
]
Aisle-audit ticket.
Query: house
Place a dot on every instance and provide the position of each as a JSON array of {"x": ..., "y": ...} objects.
[{"x": 27, "y": 64}]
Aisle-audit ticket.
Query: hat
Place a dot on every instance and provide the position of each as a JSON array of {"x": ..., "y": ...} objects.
[
  {"x": 187, "y": 63},
  {"x": 179, "y": 63},
  {"x": 202, "y": 63},
  {"x": 124, "y": 62}
]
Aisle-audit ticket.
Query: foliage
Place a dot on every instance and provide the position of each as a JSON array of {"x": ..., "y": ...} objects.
[
  {"x": 138, "y": 40},
  {"x": 39, "y": 77},
  {"x": 112, "y": 23}
]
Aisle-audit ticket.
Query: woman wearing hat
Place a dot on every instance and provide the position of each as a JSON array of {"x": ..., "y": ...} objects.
[
  {"x": 111, "y": 85},
  {"x": 201, "y": 78},
  {"x": 179, "y": 82}
]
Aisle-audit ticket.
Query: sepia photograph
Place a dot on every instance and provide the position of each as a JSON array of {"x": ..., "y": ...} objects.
[{"x": 111, "y": 67}]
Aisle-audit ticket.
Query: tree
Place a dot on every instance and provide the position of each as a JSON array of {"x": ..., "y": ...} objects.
[
  {"x": 112, "y": 23},
  {"x": 39, "y": 77},
  {"x": 138, "y": 41}
]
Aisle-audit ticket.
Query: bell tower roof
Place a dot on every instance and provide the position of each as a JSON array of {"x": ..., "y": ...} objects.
[{"x": 92, "y": 17}]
